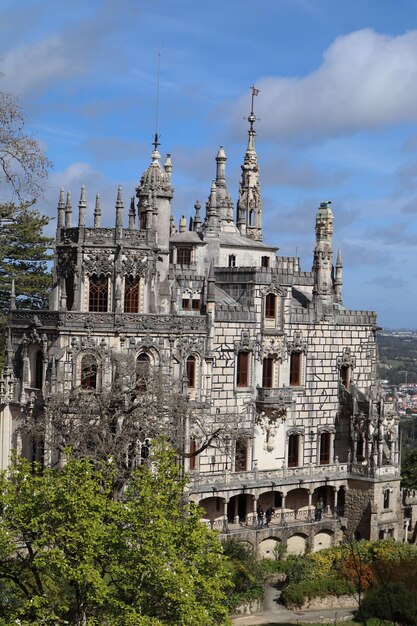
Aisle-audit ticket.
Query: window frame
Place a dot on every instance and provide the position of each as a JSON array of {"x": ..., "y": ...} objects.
[
  {"x": 270, "y": 306},
  {"x": 325, "y": 452},
  {"x": 90, "y": 376},
  {"x": 296, "y": 369},
  {"x": 131, "y": 294},
  {"x": 242, "y": 368},
  {"x": 98, "y": 293},
  {"x": 293, "y": 450},
  {"x": 184, "y": 256},
  {"x": 191, "y": 371},
  {"x": 268, "y": 372}
]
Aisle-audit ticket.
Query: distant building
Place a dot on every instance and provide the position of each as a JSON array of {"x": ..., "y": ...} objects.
[{"x": 249, "y": 333}]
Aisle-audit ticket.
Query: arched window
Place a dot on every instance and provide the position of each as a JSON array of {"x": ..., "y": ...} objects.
[
  {"x": 293, "y": 450},
  {"x": 89, "y": 372},
  {"x": 191, "y": 371},
  {"x": 98, "y": 294},
  {"x": 232, "y": 260},
  {"x": 131, "y": 304},
  {"x": 143, "y": 364},
  {"x": 38, "y": 378},
  {"x": 270, "y": 306},
  {"x": 386, "y": 499},
  {"x": 242, "y": 370},
  {"x": 295, "y": 369},
  {"x": 267, "y": 372}
]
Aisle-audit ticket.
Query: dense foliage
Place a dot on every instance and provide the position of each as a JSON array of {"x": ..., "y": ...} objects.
[
  {"x": 70, "y": 553},
  {"x": 364, "y": 569},
  {"x": 246, "y": 573}
]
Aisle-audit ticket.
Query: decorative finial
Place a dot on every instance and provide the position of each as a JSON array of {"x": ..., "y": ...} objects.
[
  {"x": 132, "y": 213},
  {"x": 97, "y": 212},
  {"x": 68, "y": 211},
  {"x": 119, "y": 208},
  {"x": 61, "y": 209},
  {"x": 82, "y": 205}
]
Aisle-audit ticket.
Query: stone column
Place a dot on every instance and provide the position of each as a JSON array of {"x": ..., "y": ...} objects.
[
  {"x": 310, "y": 503},
  {"x": 236, "y": 516},
  {"x": 283, "y": 508},
  {"x": 225, "y": 525}
]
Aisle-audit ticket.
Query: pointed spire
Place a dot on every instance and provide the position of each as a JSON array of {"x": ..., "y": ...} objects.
[
  {"x": 68, "y": 211},
  {"x": 168, "y": 165},
  {"x": 339, "y": 258},
  {"x": 97, "y": 212},
  {"x": 82, "y": 206},
  {"x": 132, "y": 213},
  {"x": 197, "y": 218},
  {"x": 322, "y": 264},
  {"x": 249, "y": 206},
  {"x": 61, "y": 209},
  {"x": 13, "y": 297},
  {"x": 119, "y": 208},
  {"x": 63, "y": 302}
]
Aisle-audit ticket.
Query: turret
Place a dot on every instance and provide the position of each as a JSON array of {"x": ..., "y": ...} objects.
[
  {"x": 249, "y": 205},
  {"x": 13, "y": 297},
  {"x": 322, "y": 265},
  {"x": 224, "y": 202},
  {"x": 154, "y": 194}
]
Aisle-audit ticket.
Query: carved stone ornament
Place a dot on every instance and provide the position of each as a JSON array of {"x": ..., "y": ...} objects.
[
  {"x": 347, "y": 359},
  {"x": 67, "y": 262},
  {"x": 187, "y": 345},
  {"x": 134, "y": 265},
  {"x": 246, "y": 344},
  {"x": 98, "y": 262},
  {"x": 298, "y": 344},
  {"x": 271, "y": 347}
]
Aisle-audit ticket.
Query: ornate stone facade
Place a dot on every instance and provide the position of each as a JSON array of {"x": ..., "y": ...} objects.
[{"x": 268, "y": 356}]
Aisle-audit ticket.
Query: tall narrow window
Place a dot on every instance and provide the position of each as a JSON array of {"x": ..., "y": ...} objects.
[
  {"x": 325, "y": 448},
  {"x": 184, "y": 256},
  {"x": 88, "y": 372},
  {"x": 241, "y": 455},
  {"x": 232, "y": 260},
  {"x": 386, "y": 499},
  {"x": 267, "y": 372},
  {"x": 295, "y": 369},
  {"x": 186, "y": 304},
  {"x": 191, "y": 371},
  {"x": 131, "y": 294},
  {"x": 270, "y": 306},
  {"x": 344, "y": 375},
  {"x": 143, "y": 363},
  {"x": 360, "y": 448},
  {"x": 99, "y": 293},
  {"x": 142, "y": 220},
  {"x": 38, "y": 379},
  {"x": 265, "y": 261},
  {"x": 293, "y": 450},
  {"x": 195, "y": 304},
  {"x": 242, "y": 375},
  {"x": 69, "y": 288},
  {"x": 193, "y": 448}
]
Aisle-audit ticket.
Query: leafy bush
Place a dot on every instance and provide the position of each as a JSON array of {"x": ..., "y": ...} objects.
[
  {"x": 394, "y": 602},
  {"x": 246, "y": 573}
]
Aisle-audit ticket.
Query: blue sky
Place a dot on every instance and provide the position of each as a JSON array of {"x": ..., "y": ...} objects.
[{"x": 337, "y": 108}]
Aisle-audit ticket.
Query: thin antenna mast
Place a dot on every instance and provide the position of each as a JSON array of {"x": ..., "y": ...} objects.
[{"x": 156, "y": 139}]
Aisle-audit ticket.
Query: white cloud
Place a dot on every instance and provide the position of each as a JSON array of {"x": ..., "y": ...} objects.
[
  {"x": 366, "y": 80},
  {"x": 32, "y": 66}
]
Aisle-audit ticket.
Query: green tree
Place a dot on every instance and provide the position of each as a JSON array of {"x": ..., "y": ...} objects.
[
  {"x": 24, "y": 256},
  {"x": 409, "y": 471},
  {"x": 71, "y": 553}
]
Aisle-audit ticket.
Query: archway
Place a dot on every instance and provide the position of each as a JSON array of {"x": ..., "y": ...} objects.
[
  {"x": 268, "y": 548},
  {"x": 296, "y": 544},
  {"x": 322, "y": 540},
  {"x": 239, "y": 508}
]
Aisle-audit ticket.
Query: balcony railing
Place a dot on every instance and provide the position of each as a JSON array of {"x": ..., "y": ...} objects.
[{"x": 274, "y": 395}]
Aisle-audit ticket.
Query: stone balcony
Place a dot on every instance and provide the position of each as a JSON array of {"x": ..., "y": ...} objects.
[
  {"x": 274, "y": 395},
  {"x": 200, "y": 483}
]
